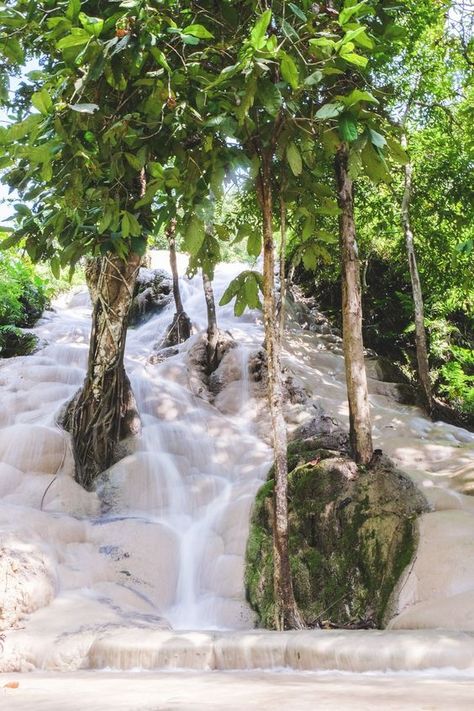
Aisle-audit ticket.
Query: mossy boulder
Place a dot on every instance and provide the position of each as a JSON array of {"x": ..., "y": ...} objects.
[
  {"x": 153, "y": 292},
  {"x": 352, "y": 534},
  {"x": 15, "y": 342}
]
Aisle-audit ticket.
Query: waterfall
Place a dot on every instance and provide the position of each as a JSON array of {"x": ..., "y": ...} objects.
[{"x": 156, "y": 555}]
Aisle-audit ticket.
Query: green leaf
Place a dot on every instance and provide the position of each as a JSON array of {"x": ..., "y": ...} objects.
[
  {"x": 374, "y": 165},
  {"x": 42, "y": 101},
  {"x": 105, "y": 221},
  {"x": 348, "y": 12},
  {"x": 254, "y": 243},
  {"x": 297, "y": 11},
  {"x": 314, "y": 78},
  {"x": 74, "y": 40},
  {"x": 294, "y": 159},
  {"x": 134, "y": 161},
  {"x": 194, "y": 236},
  {"x": 270, "y": 96},
  {"x": 125, "y": 225},
  {"x": 358, "y": 95},
  {"x": 348, "y": 128},
  {"x": 257, "y": 36},
  {"x": 377, "y": 139},
  {"x": 397, "y": 152},
  {"x": 198, "y": 31},
  {"x": 11, "y": 241},
  {"x": 251, "y": 292},
  {"x": 289, "y": 71},
  {"x": 92, "y": 25},
  {"x": 73, "y": 9},
  {"x": 158, "y": 55},
  {"x": 329, "y": 111},
  {"x": 56, "y": 267},
  {"x": 357, "y": 59}
]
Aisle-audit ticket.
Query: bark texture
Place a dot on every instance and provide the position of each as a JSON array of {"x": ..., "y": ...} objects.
[
  {"x": 283, "y": 283},
  {"x": 356, "y": 378},
  {"x": 180, "y": 329},
  {"x": 286, "y": 612},
  {"x": 104, "y": 411},
  {"x": 212, "y": 330},
  {"x": 420, "y": 332}
]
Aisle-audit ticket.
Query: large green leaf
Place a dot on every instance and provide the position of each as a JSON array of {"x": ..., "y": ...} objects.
[
  {"x": 348, "y": 128},
  {"x": 348, "y": 12},
  {"x": 270, "y": 96},
  {"x": 397, "y": 152},
  {"x": 42, "y": 101},
  {"x": 358, "y": 95},
  {"x": 294, "y": 158},
  {"x": 257, "y": 36},
  {"x": 194, "y": 235},
  {"x": 297, "y": 11},
  {"x": 357, "y": 59},
  {"x": 92, "y": 25},
  {"x": 198, "y": 31},
  {"x": 329, "y": 111},
  {"x": 289, "y": 70}
]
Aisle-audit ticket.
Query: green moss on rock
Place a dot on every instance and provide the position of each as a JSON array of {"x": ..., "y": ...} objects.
[
  {"x": 351, "y": 536},
  {"x": 15, "y": 342}
]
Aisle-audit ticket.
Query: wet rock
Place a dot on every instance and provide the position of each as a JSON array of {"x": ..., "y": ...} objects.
[
  {"x": 179, "y": 330},
  {"x": 352, "y": 534},
  {"x": 203, "y": 383},
  {"x": 15, "y": 342},
  {"x": 27, "y": 580},
  {"x": 153, "y": 292}
]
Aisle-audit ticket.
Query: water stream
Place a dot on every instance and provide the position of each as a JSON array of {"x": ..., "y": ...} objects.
[{"x": 92, "y": 584}]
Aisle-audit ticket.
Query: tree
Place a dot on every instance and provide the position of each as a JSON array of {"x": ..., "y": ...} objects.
[
  {"x": 90, "y": 160},
  {"x": 360, "y": 427}
]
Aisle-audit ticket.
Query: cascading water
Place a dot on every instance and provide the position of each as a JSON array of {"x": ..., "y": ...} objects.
[{"x": 98, "y": 579}]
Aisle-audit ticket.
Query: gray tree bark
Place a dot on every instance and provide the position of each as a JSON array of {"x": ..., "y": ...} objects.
[
  {"x": 356, "y": 378},
  {"x": 212, "y": 329},
  {"x": 287, "y": 615},
  {"x": 420, "y": 332}
]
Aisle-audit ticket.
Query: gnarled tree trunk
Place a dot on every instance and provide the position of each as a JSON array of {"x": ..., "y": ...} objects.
[
  {"x": 356, "y": 378},
  {"x": 104, "y": 411},
  {"x": 287, "y": 614},
  {"x": 420, "y": 332},
  {"x": 212, "y": 330}
]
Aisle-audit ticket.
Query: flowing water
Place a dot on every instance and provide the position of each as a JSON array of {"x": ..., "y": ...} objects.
[{"x": 118, "y": 578}]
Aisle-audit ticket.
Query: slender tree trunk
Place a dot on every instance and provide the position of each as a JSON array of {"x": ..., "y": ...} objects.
[
  {"x": 171, "y": 235},
  {"x": 181, "y": 327},
  {"x": 104, "y": 411},
  {"x": 286, "y": 612},
  {"x": 283, "y": 281},
  {"x": 356, "y": 378},
  {"x": 420, "y": 332},
  {"x": 212, "y": 329}
]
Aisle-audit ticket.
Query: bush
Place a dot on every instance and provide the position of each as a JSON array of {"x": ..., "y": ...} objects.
[{"x": 23, "y": 293}]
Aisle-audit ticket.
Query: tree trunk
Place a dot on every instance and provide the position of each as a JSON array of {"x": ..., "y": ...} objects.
[
  {"x": 356, "y": 378},
  {"x": 181, "y": 327},
  {"x": 420, "y": 332},
  {"x": 283, "y": 282},
  {"x": 212, "y": 330},
  {"x": 171, "y": 235},
  {"x": 104, "y": 411},
  {"x": 286, "y": 611}
]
